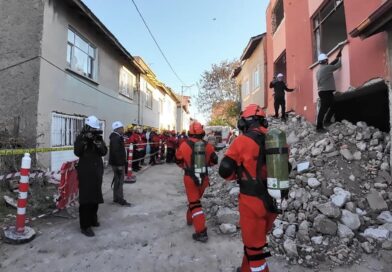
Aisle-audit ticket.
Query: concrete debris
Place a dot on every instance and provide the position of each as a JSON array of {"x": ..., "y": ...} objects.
[
  {"x": 367, "y": 248},
  {"x": 318, "y": 240},
  {"x": 350, "y": 219},
  {"x": 347, "y": 154},
  {"x": 303, "y": 166},
  {"x": 278, "y": 233},
  {"x": 324, "y": 225},
  {"x": 387, "y": 245},
  {"x": 234, "y": 191},
  {"x": 292, "y": 138},
  {"x": 313, "y": 183},
  {"x": 329, "y": 209},
  {"x": 345, "y": 232},
  {"x": 341, "y": 196},
  {"x": 10, "y": 201},
  {"x": 228, "y": 216},
  {"x": 385, "y": 217},
  {"x": 227, "y": 228},
  {"x": 377, "y": 233},
  {"x": 290, "y": 248},
  {"x": 376, "y": 202}
]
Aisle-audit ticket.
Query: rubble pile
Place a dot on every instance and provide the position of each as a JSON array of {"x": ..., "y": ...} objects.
[{"x": 340, "y": 200}]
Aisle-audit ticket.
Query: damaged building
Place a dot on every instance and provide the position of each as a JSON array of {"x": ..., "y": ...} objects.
[
  {"x": 327, "y": 26},
  {"x": 61, "y": 64}
]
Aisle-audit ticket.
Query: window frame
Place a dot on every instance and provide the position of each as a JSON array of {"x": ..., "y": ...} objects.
[
  {"x": 130, "y": 94},
  {"x": 246, "y": 87},
  {"x": 256, "y": 75},
  {"x": 317, "y": 27},
  {"x": 92, "y": 59},
  {"x": 275, "y": 26},
  {"x": 69, "y": 126},
  {"x": 149, "y": 98}
]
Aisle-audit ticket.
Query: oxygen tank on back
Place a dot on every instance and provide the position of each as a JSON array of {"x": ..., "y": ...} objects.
[
  {"x": 277, "y": 164},
  {"x": 199, "y": 153}
]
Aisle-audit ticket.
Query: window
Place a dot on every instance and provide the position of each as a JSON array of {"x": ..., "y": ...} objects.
[
  {"x": 280, "y": 65},
  {"x": 245, "y": 88},
  {"x": 256, "y": 79},
  {"x": 149, "y": 99},
  {"x": 127, "y": 83},
  {"x": 81, "y": 55},
  {"x": 277, "y": 15},
  {"x": 65, "y": 129},
  {"x": 329, "y": 27}
]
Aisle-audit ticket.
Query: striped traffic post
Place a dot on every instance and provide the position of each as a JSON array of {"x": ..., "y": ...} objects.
[
  {"x": 20, "y": 233},
  {"x": 130, "y": 178}
]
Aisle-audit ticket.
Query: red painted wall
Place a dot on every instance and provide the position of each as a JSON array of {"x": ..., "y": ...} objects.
[
  {"x": 367, "y": 59},
  {"x": 299, "y": 57},
  {"x": 270, "y": 62}
]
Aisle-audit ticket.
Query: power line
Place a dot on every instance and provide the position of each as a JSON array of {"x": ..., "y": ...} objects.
[{"x": 157, "y": 44}]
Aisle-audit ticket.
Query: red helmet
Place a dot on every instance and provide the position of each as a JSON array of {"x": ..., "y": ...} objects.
[
  {"x": 253, "y": 110},
  {"x": 196, "y": 128}
]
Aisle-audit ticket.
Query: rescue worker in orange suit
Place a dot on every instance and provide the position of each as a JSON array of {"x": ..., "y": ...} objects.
[
  {"x": 154, "y": 143},
  {"x": 181, "y": 138},
  {"x": 144, "y": 141},
  {"x": 171, "y": 143},
  {"x": 162, "y": 138},
  {"x": 195, "y": 184},
  {"x": 245, "y": 163},
  {"x": 137, "y": 142}
]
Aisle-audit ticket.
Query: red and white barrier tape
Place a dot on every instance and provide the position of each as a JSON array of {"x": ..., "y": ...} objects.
[{"x": 32, "y": 175}]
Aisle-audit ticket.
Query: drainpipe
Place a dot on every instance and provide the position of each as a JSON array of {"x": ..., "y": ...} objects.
[{"x": 138, "y": 100}]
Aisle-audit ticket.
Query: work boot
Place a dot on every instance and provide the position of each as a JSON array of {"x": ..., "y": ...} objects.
[
  {"x": 124, "y": 203},
  {"x": 96, "y": 224},
  {"x": 88, "y": 232},
  {"x": 200, "y": 237},
  {"x": 321, "y": 130}
]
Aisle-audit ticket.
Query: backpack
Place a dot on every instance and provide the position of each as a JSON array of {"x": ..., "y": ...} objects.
[{"x": 257, "y": 186}]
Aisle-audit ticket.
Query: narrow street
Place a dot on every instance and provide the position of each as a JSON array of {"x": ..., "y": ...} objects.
[{"x": 149, "y": 236}]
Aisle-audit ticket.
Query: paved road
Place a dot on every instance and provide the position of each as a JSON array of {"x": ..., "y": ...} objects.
[{"x": 149, "y": 236}]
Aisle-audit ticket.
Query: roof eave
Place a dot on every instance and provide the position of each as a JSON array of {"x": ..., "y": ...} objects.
[
  {"x": 102, "y": 27},
  {"x": 375, "y": 23},
  {"x": 251, "y": 46}
]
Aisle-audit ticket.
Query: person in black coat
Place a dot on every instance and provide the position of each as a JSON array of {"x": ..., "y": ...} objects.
[
  {"x": 279, "y": 95},
  {"x": 90, "y": 148},
  {"x": 118, "y": 161}
]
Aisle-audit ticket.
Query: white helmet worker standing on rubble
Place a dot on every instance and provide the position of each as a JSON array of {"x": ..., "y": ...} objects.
[{"x": 326, "y": 88}]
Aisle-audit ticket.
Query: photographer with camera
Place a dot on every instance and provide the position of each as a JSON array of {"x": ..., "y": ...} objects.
[{"x": 90, "y": 148}]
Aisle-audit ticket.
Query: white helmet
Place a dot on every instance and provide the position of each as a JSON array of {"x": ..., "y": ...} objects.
[
  {"x": 92, "y": 121},
  {"x": 117, "y": 125},
  {"x": 280, "y": 75},
  {"x": 322, "y": 57}
]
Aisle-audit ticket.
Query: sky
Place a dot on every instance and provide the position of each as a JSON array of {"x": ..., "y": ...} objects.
[{"x": 193, "y": 34}]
